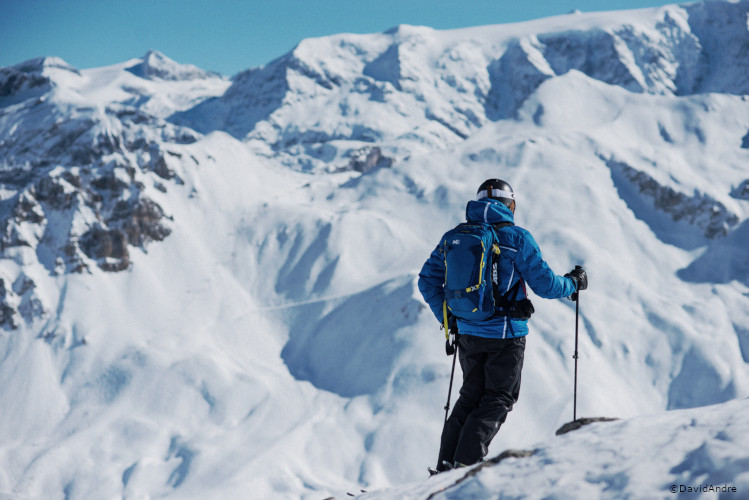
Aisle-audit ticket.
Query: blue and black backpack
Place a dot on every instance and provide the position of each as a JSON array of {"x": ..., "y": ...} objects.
[{"x": 469, "y": 250}]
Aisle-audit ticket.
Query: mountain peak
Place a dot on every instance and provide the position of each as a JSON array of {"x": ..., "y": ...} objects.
[
  {"x": 156, "y": 66},
  {"x": 34, "y": 76},
  {"x": 39, "y": 64},
  {"x": 409, "y": 29}
]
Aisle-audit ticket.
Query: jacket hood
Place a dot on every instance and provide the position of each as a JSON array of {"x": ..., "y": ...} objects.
[{"x": 488, "y": 210}]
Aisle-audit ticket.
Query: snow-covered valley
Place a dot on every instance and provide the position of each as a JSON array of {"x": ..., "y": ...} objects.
[{"x": 207, "y": 284}]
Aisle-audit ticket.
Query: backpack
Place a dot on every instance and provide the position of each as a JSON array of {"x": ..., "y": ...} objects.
[{"x": 469, "y": 250}]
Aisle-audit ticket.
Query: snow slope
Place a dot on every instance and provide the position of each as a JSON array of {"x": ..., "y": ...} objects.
[
  {"x": 694, "y": 453},
  {"x": 208, "y": 284}
]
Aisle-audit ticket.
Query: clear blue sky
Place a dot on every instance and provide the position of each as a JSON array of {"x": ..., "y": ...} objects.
[{"x": 228, "y": 36}]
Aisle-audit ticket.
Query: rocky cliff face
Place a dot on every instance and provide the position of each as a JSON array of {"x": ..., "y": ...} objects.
[
  {"x": 80, "y": 178},
  {"x": 697, "y": 210}
]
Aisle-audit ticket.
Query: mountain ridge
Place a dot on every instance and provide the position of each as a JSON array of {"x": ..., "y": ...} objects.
[{"x": 660, "y": 55}]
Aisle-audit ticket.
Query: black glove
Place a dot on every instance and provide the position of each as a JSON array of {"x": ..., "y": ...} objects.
[
  {"x": 581, "y": 280},
  {"x": 452, "y": 327},
  {"x": 452, "y": 324}
]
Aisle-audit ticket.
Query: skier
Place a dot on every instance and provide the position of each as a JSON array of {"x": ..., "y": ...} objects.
[{"x": 491, "y": 351}]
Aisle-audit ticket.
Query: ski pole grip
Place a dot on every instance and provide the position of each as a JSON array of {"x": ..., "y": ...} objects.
[{"x": 585, "y": 283}]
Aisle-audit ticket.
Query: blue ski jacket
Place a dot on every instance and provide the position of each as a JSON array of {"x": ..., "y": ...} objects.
[{"x": 520, "y": 260}]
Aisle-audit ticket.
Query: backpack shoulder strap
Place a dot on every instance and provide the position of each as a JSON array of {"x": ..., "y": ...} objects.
[
  {"x": 500, "y": 225},
  {"x": 502, "y": 299}
]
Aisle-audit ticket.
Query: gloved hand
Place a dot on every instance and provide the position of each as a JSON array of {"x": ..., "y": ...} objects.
[
  {"x": 452, "y": 327},
  {"x": 581, "y": 280},
  {"x": 452, "y": 324}
]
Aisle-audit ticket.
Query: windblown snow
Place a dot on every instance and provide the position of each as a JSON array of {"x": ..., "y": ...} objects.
[{"x": 207, "y": 284}]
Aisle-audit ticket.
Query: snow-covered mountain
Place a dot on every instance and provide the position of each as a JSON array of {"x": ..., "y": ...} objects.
[{"x": 207, "y": 285}]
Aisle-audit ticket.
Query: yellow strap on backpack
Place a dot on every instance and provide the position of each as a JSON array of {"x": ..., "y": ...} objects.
[{"x": 444, "y": 319}]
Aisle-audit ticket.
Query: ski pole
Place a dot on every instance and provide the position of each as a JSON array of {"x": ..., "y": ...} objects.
[
  {"x": 575, "y": 356},
  {"x": 450, "y": 390},
  {"x": 446, "y": 326}
]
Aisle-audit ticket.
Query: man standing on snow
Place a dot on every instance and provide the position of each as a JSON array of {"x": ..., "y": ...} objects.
[{"x": 491, "y": 350}]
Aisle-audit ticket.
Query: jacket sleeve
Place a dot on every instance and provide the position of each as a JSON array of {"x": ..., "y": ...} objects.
[
  {"x": 431, "y": 281},
  {"x": 537, "y": 273}
]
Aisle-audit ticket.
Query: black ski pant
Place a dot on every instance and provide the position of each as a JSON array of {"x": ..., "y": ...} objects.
[{"x": 491, "y": 386}]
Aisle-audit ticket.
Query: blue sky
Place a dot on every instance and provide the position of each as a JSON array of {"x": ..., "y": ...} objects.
[{"x": 228, "y": 36}]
